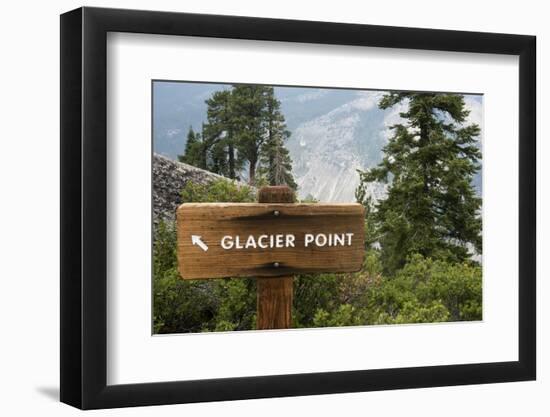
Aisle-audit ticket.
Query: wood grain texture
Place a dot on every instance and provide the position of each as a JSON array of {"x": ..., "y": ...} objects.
[
  {"x": 274, "y": 303},
  {"x": 212, "y": 221},
  {"x": 276, "y": 194},
  {"x": 274, "y": 295}
]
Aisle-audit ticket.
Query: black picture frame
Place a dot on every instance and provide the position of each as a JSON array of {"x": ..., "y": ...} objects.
[{"x": 84, "y": 207}]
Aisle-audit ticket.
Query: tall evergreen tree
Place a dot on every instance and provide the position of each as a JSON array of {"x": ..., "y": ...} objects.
[
  {"x": 218, "y": 133},
  {"x": 431, "y": 206},
  {"x": 275, "y": 158},
  {"x": 245, "y": 126},
  {"x": 248, "y": 103},
  {"x": 194, "y": 150}
]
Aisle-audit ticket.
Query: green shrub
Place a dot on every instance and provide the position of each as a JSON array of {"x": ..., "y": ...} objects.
[
  {"x": 181, "y": 306},
  {"x": 217, "y": 191}
]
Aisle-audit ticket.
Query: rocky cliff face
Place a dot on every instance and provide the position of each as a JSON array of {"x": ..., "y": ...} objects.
[
  {"x": 169, "y": 178},
  {"x": 328, "y": 150}
]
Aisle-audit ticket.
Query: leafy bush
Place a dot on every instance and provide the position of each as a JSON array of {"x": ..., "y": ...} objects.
[
  {"x": 178, "y": 306},
  {"x": 218, "y": 191},
  {"x": 181, "y": 306},
  {"x": 425, "y": 290}
]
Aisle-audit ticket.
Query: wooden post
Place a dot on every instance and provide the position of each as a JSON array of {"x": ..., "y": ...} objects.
[{"x": 274, "y": 295}]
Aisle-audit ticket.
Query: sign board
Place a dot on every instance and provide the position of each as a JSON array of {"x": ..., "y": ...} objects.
[{"x": 268, "y": 239}]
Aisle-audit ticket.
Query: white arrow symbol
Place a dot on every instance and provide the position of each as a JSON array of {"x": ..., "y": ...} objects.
[{"x": 196, "y": 240}]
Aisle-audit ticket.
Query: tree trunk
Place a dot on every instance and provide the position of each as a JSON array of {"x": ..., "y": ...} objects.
[
  {"x": 252, "y": 172},
  {"x": 231, "y": 161}
]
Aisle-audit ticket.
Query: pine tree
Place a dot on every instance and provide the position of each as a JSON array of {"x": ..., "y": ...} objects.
[
  {"x": 248, "y": 104},
  {"x": 194, "y": 153},
  {"x": 218, "y": 133},
  {"x": 275, "y": 158},
  {"x": 277, "y": 164},
  {"x": 429, "y": 162},
  {"x": 244, "y": 127}
]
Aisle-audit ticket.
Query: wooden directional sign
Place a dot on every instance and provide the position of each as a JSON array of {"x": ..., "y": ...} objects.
[{"x": 268, "y": 239}]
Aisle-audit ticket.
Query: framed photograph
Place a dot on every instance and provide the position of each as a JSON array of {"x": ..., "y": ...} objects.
[{"x": 256, "y": 208}]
